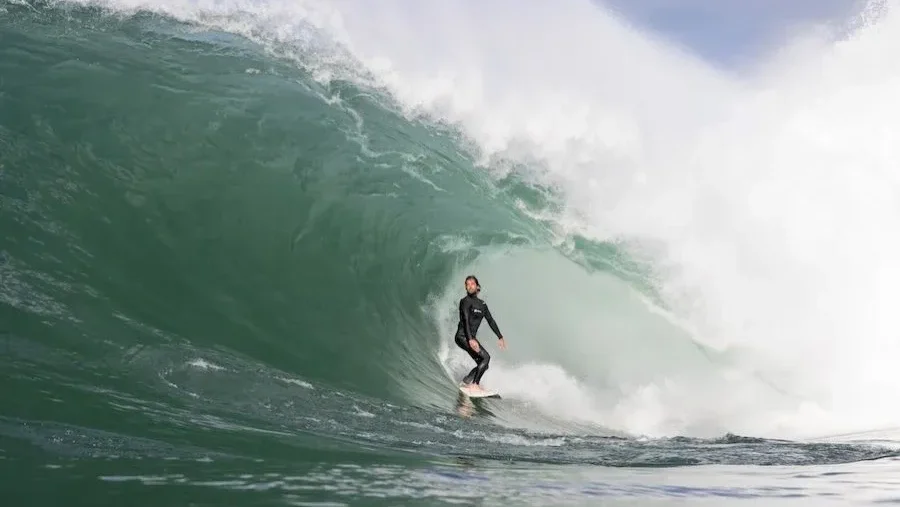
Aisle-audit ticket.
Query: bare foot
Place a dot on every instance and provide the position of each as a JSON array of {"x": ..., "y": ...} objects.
[{"x": 472, "y": 388}]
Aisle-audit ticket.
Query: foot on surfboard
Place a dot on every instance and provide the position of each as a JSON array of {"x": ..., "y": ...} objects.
[{"x": 476, "y": 391}]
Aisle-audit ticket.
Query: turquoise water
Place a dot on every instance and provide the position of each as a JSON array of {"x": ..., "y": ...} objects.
[{"x": 227, "y": 280}]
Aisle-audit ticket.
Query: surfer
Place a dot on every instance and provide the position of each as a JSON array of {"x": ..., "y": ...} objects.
[{"x": 471, "y": 311}]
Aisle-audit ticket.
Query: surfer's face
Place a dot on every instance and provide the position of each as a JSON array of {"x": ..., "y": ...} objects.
[{"x": 471, "y": 288}]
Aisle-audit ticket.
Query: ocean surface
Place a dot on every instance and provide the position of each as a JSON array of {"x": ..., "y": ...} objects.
[{"x": 233, "y": 235}]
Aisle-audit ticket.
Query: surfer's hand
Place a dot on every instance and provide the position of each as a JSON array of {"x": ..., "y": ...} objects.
[
  {"x": 502, "y": 343},
  {"x": 474, "y": 344}
]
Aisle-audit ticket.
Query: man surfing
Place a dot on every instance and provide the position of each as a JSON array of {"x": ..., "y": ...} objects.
[{"x": 471, "y": 311}]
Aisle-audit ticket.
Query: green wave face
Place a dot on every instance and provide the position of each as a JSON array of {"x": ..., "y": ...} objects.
[{"x": 201, "y": 194}]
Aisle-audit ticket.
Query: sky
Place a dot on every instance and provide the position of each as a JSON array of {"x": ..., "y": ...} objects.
[{"x": 731, "y": 31}]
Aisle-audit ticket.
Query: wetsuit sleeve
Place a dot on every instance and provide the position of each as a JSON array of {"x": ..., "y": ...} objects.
[
  {"x": 464, "y": 304},
  {"x": 491, "y": 322}
]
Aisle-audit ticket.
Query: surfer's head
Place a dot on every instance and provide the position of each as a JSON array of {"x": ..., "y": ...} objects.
[{"x": 472, "y": 285}]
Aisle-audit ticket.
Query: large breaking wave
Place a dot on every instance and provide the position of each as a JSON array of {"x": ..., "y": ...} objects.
[{"x": 669, "y": 249}]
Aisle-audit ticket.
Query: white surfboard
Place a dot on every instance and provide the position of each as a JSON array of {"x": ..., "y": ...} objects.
[{"x": 484, "y": 393}]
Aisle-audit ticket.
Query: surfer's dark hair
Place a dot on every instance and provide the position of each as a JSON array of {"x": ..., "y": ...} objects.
[{"x": 474, "y": 279}]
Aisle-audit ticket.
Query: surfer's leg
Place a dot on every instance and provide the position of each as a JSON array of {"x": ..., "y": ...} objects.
[
  {"x": 468, "y": 379},
  {"x": 482, "y": 358},
  {"x": 462, "y": 343},
  {"x": 483, "y": 361}
]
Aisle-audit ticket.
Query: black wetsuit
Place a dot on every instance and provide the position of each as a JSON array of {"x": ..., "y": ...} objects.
[{"x": 471, "y": 311}]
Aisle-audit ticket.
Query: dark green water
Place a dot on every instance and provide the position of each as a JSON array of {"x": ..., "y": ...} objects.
[{"x": 223, "y": 282}]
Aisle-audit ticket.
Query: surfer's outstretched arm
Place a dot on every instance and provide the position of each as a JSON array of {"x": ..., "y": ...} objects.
[{"x": 491, "y": 322}]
